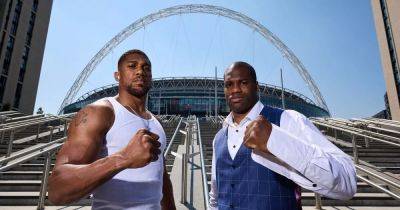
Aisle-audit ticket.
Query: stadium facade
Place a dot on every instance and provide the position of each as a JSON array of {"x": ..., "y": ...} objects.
[{"x": 196, "y": 95}]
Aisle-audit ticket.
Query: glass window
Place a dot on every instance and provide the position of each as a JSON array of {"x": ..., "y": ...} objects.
[
  {"x": 3, "y": 81},
  {"x": 7, "y": 57},
  {"x": 35, "y": 5},
  {"x": 17, "y": 95}
]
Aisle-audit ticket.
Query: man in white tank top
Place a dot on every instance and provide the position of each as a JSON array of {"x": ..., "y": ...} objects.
[{"x": 114, "y": 148}]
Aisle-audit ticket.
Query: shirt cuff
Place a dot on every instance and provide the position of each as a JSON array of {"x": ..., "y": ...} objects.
[{"x": 293, "y": 151}]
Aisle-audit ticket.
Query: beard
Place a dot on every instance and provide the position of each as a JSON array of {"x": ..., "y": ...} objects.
[
  {"x": 245, "y": 106},
  {"x": 138, "y": 92}
]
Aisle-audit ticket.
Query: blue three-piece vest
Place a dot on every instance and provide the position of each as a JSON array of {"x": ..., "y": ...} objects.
[{"x": 244, "y": 184}]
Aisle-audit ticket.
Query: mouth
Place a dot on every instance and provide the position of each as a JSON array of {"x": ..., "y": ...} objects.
[
  {"x": 139, "y": 82},
  {"x": 235, "y": 99}
]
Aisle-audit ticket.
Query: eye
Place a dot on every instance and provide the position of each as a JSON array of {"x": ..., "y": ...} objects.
[
  {"x": 132, "y": 65},
  {"x": 244, "y": 82},
  {"x": 227, "y": 85},
  {"x": 146, "y": 68}
]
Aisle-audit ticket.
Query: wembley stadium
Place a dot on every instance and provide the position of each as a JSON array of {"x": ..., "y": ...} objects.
[{"x": 196, "y": 96}]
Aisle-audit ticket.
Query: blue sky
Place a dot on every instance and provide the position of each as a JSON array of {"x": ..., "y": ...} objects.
[{"x": 335, "y": 40}]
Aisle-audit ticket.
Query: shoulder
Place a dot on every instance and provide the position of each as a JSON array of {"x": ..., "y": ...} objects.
[
  {"x": 292, "y": 119},
  {"x": 98, "y": 114},
  {"x": 219, "y": 135},
  {"x": 293, "y": 115},
  {"x": 273, "y": 114}
]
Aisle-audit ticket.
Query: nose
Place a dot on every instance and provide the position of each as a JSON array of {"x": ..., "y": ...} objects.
[
  {"x": 139, "y": 72},
  {"x": 235, "y": 88}
]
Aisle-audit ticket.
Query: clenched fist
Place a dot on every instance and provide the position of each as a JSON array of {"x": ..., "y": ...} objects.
[
  {"x": 142, "y": 149},
  {"x": 257, "y": 134}
]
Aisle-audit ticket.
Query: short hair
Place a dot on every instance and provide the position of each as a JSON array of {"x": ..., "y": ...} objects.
[
  {"x": 247, "y": 66},
  {"x": 131, "y": 52}
]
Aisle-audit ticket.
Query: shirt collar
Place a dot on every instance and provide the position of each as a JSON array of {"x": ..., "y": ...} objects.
[{"x": 252, "y": 115}]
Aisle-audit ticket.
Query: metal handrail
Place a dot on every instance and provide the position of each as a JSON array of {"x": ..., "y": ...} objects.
[
  {"x": 373, "y": 184},
  {"x": 203, "y": 170},
  {"x": 28, "y": 117},
  {"x": 356, "y": 133},
  {"x": 49, "y": 148},
  {"x": 345, "y": 125},
  {"x": 355, "y": 159},
  {"x": 378, "y": 176},
  {"x": 26, "y": 123},
  {"x": 13, "y": 157},
  {"x": 172, "y": 138}
]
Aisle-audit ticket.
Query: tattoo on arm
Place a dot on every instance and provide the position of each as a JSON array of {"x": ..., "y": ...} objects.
[{"x": 81, "y": 118}]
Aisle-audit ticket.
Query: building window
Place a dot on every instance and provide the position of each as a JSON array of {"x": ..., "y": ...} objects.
[
  {"x": 7, "y": 57},
  {"x": 22, "y": 67},
  {"x": 6, "y": 24},
  {"x": 15, "y": 20},
  {"x": 3, "y": 81},
  {"x": 30, "y": 29},
  {"x": 17, "y": 95},
  {"x": 35, "y": 5},
  {"x": 8, "y": 13}
]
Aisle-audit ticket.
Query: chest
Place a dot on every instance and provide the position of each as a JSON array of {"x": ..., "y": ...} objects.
[{"x": 122, "y": 132}]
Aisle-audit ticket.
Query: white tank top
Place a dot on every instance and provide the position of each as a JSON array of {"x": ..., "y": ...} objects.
[{"x": 133, "y": 189}]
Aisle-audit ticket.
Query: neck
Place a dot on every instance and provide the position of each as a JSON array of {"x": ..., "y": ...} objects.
[
  {"x": 134, "y": 102},
  {"x": 237, "y": 118}
]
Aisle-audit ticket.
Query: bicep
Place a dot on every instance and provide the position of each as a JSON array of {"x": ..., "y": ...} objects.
[{"x": 85, "y": 136}]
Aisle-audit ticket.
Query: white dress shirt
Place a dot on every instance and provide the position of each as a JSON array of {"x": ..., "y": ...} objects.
[{"x": 300, "y": 152}]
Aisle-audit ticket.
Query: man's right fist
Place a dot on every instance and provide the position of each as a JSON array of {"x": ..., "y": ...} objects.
[{"x": 143, "y": 148}]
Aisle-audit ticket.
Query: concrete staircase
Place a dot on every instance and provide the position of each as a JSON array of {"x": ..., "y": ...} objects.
[{"x": 20, "y": 185}]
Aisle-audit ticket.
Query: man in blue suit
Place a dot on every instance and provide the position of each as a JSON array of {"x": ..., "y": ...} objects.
[{"x": 262, "y": 155}]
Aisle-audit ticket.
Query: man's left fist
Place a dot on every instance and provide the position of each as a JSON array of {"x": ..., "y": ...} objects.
[{"x": 257, "y": 134}]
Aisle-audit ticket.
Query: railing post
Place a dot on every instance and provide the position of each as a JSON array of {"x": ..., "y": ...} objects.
[
  {"x": 366, "y": 142},
  {"x": 184, "y": 179},
  {"x": 355, "y": 150},
  {"x": 65, "y": 127},
  {"x": 51, "y": 133},
  {"x": 43, "y": 186},
  {"x": 38, "y": 131},
  {"x": 2, "y": 120},
  {"x": 2, "y": 136},
  {"x": 10, "y": 143},
  {"x": 318, "y": 202},
  {"x": 335, "y": 134}
]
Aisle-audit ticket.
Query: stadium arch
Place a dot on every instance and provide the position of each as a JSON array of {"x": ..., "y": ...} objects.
[{"x": 188, "y": 9}]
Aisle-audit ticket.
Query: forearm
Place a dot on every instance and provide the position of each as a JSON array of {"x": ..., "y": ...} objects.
[
  {"x": 167, "y": 201},
  {"x": 326, "y": 166},
  {"x": 213, "y": 201},
  {"x": 70, "y": 182}
]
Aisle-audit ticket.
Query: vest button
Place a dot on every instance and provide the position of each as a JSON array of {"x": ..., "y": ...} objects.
[
  {"x": 233, "y": 166},
  {"x": 232, "y": 185},
  {"x": 231, "y": 206}
]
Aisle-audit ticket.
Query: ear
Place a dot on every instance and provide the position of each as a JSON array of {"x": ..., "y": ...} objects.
[{"x": 116, "y": 76}]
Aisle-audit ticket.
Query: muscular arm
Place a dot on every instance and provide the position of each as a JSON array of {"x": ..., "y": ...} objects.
[
  {"x": 167, "y": 202},
  {"x": 77, "y": 172}
]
